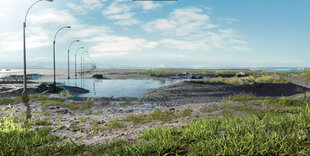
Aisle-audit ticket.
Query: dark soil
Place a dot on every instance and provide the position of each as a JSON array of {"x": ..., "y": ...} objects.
[{"x": 200, "y": 92}]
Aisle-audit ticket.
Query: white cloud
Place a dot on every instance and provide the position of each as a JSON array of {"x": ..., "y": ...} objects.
[
  {"x": 225, "y": 39},
  {"x": 4, "y": 12},
  {"x": 52, "y": 16},
  {"x": 229, "y": 20},
  {"x": 119, "y": 44},
  {"x": 78, "y": 8},
  {"x": 121, "y": 13},
  {"x": 93, "y": 4},
  {"x": 181, "y": 22},
  {"x": 149, "y": 5},
  {"x": 13, "y": 41},
  {"x": 191, "y": 29},
  {"x": 184, "y": 45},
  {"x": 84, "y": 31}
]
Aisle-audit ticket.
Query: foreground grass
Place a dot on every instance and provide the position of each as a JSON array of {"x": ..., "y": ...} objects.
[{"x": 253, "y": 134}]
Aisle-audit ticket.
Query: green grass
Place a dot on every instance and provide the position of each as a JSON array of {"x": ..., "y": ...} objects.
[
  {"x": 161, "y": 73},
  {"x": 66, "y": 93},
  {"x": 187, "y": 112},
  {"x": 254, "y": 134},
  {"x": 127, "y": 104},
  {"x": 249, "y": 80},
  {"x": 157, "y": 115},
  {"x": 269, "y": 101},
  {"x": 106, "y": 103},
  {"x": 115, "y": 124},
  {"x": 38, "y": 97},
  {"x": 82, "y": 119},
  {"x": 258, "y": 133},
  {"x": 50, "y": 102},
  {"x": 7, "y": 101},
  {"x": 75, "y": 106}
]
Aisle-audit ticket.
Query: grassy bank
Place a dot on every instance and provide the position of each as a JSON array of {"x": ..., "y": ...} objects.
[
  {"x": 257, "y": 133},
  {"x": 248, "y": 80}
]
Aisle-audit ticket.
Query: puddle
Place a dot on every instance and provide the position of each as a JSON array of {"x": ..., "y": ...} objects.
[{"x": 116, "y": 88}]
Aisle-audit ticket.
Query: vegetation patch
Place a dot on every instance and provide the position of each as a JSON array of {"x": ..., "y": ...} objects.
[
  {"x": 54, "y": 101},
  {"x": 127, "y": 104},
  {"x": 115, "y": 124},
  {"x": 254, "y": 134},
  {"x": 157, "y": 115},
  {"x": 7, "y": 101},
  {"x": 249, "y": 80},
  {"x": 269, "y": 101},
  {"x": 106, "y": 103}
]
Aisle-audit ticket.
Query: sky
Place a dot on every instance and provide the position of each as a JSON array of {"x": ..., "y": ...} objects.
[{"x": 158, "y": 34}]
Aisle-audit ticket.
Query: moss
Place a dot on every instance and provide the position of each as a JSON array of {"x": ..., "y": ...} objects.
[
  {"x": 187, "y": 112},
  {"x": 115, "y": 124},
  {"x": 126, "y": 104},
  {"x": 106, "y": 103},
  {"x": 82, "y": 119}
]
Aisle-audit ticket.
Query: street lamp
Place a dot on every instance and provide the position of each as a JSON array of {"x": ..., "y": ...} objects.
[
  {"x": 54, "y": 43},
  {"x": 69, "y": 57},
  {"x": 75, "y": 58},
  {"x": 24, "y": 36},
  {"x": 82, "y": 62}
]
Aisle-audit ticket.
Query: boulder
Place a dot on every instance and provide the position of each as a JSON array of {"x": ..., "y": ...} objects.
[
  {"x": 241, "y": 74},
  {"x": 98, "y": 76}
]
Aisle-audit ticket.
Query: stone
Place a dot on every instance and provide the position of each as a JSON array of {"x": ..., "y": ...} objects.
[
  {"x": 62, "y": 111},
  {"x": 242, "y": 74}
]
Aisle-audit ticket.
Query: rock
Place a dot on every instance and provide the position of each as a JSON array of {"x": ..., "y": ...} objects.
[
  {"x": 241, "y": 74},
  {"x": 42, "y": 87},
  {"x": 98, "y": 76},
  {"x": 62, "y": 111}
]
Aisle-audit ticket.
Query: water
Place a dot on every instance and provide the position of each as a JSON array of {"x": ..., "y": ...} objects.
[{"x": 116, "y": 88}]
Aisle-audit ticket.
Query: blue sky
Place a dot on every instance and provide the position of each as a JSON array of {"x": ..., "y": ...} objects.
[{"x": 186, "y": 33}]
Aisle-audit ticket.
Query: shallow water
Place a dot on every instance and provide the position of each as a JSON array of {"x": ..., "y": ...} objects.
[{"x": 116, "y": 88}]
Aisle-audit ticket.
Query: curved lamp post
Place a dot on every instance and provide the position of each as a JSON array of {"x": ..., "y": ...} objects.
[
  {"x": 82, "y": 62},
  {"x": 24, "y": 36},
  {"x": 54, "y": 43},
  {"x": 69, "y": 57},
  {"x": 75, "y": 58}
]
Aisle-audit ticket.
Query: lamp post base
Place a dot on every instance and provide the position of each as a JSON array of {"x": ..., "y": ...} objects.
[{"x": 54, "y": 87}]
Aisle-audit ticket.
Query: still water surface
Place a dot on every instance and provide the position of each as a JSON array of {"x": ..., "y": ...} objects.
[{"x": 116, "y": 88}]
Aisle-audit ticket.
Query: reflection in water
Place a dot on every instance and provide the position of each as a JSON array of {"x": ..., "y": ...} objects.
[{"x": 115, "y": 88}]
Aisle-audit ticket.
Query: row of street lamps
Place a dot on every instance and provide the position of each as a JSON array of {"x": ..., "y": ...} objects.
[{"x": 54, "y": 48}]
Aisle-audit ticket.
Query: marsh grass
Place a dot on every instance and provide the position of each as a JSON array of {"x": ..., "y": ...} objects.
[
  {"x": 75, "y": 106},
  {"x": 127, "y": 104},
  {"x": 7, "y": 101},
  {"x": 162, "y": 73},
  {"x": 269, "y": 101},
  {"x": 115, "y": 124},
  {"x": 249, "y": 80},
  {"x": 157, "y": 115}
]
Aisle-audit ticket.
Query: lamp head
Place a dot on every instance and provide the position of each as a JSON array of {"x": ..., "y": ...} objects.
[
  {"x": 82, "y": 47},
  {"x": 68, "y": 26},
  {"x": 77, "y": 40},
  {"x": 49, "y": 0}
]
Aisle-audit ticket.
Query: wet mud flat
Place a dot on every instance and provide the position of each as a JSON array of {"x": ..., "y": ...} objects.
[{"x": 204, "y": 92}]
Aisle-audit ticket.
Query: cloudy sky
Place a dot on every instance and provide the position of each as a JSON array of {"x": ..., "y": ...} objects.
[{"x": 184, "y": 33}]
